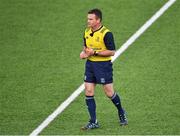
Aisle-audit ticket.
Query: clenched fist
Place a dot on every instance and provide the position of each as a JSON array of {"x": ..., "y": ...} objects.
[
  {"x": 89, "y": 51},
  {"x": 86, "y": 53}
]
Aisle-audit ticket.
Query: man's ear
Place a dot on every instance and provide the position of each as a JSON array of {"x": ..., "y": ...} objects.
[{"x": 98, "y": 20}]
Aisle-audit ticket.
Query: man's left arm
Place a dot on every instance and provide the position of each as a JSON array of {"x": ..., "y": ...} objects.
[
  {"x": 109, "y": 42},
  {"x": 105, "y": 53}
]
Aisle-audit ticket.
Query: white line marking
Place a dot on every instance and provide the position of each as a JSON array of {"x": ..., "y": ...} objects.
[
  {"x": 78, "y": 91},
  {"x": 143, "y": 29}
]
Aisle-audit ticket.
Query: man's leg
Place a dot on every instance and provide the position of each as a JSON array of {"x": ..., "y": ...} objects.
[
  {"x": 90, "y": 102},
  {"x": 109, "y": 91}
]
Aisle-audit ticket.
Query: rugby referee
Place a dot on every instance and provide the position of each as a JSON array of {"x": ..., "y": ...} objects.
[{"x": 98, "y": 48}]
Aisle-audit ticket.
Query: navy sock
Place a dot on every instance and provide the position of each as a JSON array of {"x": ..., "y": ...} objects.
[
  {"x": 90, "y": 102},
  {"x": 117, "y": 102}
]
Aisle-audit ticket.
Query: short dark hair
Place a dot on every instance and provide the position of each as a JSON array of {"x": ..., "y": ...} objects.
[{"x": 97, "y": 12}]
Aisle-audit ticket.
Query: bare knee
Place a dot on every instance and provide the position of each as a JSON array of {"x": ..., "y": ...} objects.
[
  {"x": 108, "y": 89},
  {"x": 89, "y": 92},
  {"x": 89, "y": 89}
]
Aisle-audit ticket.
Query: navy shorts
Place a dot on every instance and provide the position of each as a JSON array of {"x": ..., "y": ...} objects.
[{"x": 100, "y": 72}]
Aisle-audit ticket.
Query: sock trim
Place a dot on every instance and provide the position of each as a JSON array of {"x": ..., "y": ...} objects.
[
  {"x": 114, "y": 95},
  {"x": 89, "y": 97}
]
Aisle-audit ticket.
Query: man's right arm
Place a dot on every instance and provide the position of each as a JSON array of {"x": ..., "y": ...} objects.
[
  {"x": 83, "y": 55},
  {"x": 86, "y": 52}
]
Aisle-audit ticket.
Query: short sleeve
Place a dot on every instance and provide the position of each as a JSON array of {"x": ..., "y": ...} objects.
[
  {"x": 109, "y": 41},
  {"x": 84, "y": 42}
]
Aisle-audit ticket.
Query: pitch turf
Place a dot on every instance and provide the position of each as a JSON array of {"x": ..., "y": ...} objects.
[{"x": 40, "y": 42}]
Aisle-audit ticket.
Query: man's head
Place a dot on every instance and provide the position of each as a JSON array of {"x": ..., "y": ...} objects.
[{"x": 94, "y": 18}]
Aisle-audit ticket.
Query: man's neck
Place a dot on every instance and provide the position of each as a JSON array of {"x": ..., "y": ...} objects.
[{"x": 96, "y": 27}]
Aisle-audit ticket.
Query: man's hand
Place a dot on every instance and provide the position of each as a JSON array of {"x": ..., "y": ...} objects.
[
  {"x": 89, "y": 51},
  {"x": 83, "y": 55}
]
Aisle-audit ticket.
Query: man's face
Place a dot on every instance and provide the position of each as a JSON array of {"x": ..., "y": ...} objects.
[{"x": 92, "y": 20}]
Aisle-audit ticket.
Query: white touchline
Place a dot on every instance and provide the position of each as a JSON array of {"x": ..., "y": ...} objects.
[{"x": 78, "y": 91}]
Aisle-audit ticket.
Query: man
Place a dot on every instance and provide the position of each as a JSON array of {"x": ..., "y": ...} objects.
[{"x": 98, "y": 48}]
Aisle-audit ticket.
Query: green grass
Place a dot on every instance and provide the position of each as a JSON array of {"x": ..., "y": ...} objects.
[{"x": 40, "y": 42}]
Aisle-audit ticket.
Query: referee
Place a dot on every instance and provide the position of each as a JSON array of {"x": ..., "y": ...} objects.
[{"x": 98, "y": 48}]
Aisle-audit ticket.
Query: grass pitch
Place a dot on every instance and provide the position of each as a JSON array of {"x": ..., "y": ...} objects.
[{"x": 40, "y": 42}]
